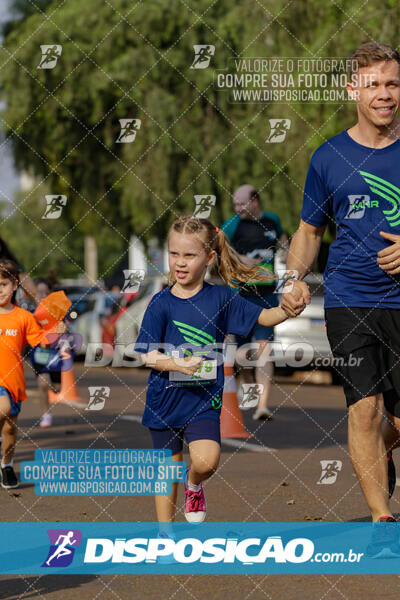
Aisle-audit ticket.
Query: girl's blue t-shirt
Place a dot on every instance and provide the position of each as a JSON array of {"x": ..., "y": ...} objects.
[
  {"x": 358, "y": 188},
  {"x": 197, "y": 325}
]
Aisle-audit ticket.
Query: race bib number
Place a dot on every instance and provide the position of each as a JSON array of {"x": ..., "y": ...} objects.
[
  {"x": 47, "y": 358},
  {"x": 206, "y": 373},
  {"x": 42, "y": 355}
]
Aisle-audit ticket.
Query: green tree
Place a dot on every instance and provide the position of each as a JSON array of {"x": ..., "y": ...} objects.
[{"x": 123, "y": 60}]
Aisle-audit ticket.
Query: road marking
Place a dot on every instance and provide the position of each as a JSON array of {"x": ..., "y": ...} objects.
[
  {"x": 247, "y": 446},
  {"x": 74, "y": 404},
  {"x": 135, "y": 418},
  {"x": 233, "y": 443}
]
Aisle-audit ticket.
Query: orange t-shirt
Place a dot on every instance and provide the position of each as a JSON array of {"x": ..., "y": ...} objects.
[{"x": 17, "y": 329}]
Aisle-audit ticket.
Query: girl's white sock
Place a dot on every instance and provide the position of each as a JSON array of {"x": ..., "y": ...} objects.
[
  {"x": 193, "y": 487},
  {"x": 3, "y": 466}
]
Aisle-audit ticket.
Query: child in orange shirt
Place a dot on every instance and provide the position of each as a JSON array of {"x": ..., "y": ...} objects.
[{"x": 18, "y": 327}]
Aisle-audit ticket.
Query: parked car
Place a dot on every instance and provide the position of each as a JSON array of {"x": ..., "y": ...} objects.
[
  {"x": 128, "y": 325},
  {"x": 89, "y": 325},
  {"x": 303, "y": 339},
  {"x": 82, "y": 297}
]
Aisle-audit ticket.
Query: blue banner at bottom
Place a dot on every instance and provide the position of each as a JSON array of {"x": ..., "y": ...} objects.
[{"x": 213, "y": 548}]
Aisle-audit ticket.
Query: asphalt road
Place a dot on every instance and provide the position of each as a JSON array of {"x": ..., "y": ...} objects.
[{"x": 272, "y": 477}]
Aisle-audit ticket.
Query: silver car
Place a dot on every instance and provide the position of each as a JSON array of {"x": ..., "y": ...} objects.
[
  {"x": 303, "y": 340},
  {"x": 128, "y": 325},
  {"x": 88, "y": 325}
]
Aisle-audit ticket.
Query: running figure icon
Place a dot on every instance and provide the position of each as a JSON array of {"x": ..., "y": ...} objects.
[{"x": 62, "y": 550}]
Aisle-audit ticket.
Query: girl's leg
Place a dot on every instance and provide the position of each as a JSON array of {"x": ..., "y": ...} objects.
[
  {"x": 204, "y": 455},
  {"x": 204, "y": 439},
  {"x": 8, "y": 428},
  {"x": 8, "y": 441},
  {"x": 166, "y": 505},
  {"x": 44, "y": 385}
]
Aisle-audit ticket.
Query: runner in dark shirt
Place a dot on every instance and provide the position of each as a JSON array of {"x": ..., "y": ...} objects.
[{"x": 256, "y": 235}]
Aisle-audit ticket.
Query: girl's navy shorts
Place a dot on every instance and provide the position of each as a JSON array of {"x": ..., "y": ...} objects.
[{"x": 172, "y": 438}]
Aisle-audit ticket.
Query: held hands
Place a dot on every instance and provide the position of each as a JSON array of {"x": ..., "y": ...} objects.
[
  {"x": 389, "y": 258},
  {"x": 294, "y": 301}
]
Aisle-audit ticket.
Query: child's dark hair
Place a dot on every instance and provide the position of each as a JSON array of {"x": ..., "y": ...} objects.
[
  {"x": 44, "y": 280},
  {"x": 232, "y": 270},
  {"x": 9, "y": 270}
]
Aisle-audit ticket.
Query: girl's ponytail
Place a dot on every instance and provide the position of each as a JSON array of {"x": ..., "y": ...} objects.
[{"x": 230, "y": 267}]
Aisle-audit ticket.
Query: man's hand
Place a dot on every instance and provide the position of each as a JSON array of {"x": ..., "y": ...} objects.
[
  {"x": 295, "y": 301},
  {"x": 389, "y": 258},
  {"x": 189, "y": 365}
]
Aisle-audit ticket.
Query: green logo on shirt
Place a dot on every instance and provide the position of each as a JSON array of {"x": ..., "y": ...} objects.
[
  {"x": 389, "y": 192},
  {"x": 216, "y": 402},
  {"x": 193, "y": 335}
]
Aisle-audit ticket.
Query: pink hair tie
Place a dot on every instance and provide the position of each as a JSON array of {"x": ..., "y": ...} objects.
[{"x": 216, "y": 229}]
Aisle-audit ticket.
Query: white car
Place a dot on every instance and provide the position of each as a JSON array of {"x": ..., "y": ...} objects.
[
  {"x": 88, "y": 325},
  {"x": 303, "y": 340},
  {"x": 128, "y": 325}
]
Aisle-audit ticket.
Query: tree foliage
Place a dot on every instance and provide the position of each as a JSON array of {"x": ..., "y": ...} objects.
[{"x": 132, "y": 60}]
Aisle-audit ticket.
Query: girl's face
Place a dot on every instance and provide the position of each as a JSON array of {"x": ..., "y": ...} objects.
[
  {"x": 7, "y": 288},
  {"x": 188, "y": 259},
  {"x": 42, "y": 290}
]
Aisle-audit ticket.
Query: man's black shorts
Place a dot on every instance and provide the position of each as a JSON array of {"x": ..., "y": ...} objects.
[{"x": 365, "y": 343}]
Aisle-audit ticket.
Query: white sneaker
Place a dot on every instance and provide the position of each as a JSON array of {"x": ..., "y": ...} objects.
[
  {"x": 46, "y": 420},
  {"x": 262, "y": 414}
]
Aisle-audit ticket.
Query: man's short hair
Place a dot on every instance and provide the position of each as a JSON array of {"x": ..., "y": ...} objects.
[
  {"x": 370, "y": 53},
  {"x": 246, "y": 192}
]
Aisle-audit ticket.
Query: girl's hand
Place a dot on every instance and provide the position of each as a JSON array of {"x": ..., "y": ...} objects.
[
  {"x": 61, "y": 327},
  {"x": 189, "y": 365},
  {"x": 293, "y": 312}
]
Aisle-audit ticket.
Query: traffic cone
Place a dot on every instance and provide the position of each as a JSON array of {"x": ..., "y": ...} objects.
[
  {"x": 231, "y": 416},
  {"x": 68, "y": 392}
]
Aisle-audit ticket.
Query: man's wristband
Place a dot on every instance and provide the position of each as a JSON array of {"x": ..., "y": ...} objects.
[{"x": 287, "y": 278}]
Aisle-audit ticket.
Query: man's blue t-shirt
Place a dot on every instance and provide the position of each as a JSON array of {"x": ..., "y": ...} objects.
[
  {"x": 358, "y": 188},
  {"x": 191, "y": 326}
]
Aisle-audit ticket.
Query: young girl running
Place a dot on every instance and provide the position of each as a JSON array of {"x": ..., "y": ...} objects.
[
  {"x": 18, "y": 327},
  {"x": 189, "y": 321},
  {"x": 40, "y": 357}
]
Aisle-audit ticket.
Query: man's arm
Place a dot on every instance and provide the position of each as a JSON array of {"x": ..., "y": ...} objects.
[
  {"x": 283, "y": 244},
  {"x": 303, "y": 253},
  {"x": 304, "y": 248}
]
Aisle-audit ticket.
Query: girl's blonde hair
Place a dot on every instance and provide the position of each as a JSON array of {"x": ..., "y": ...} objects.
[{"x": 232, "y": 270}]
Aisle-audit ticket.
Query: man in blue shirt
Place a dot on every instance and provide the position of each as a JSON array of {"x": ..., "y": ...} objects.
[
  {"x": 256, "y": 235},
  {"x": 354, "y": 179}
]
